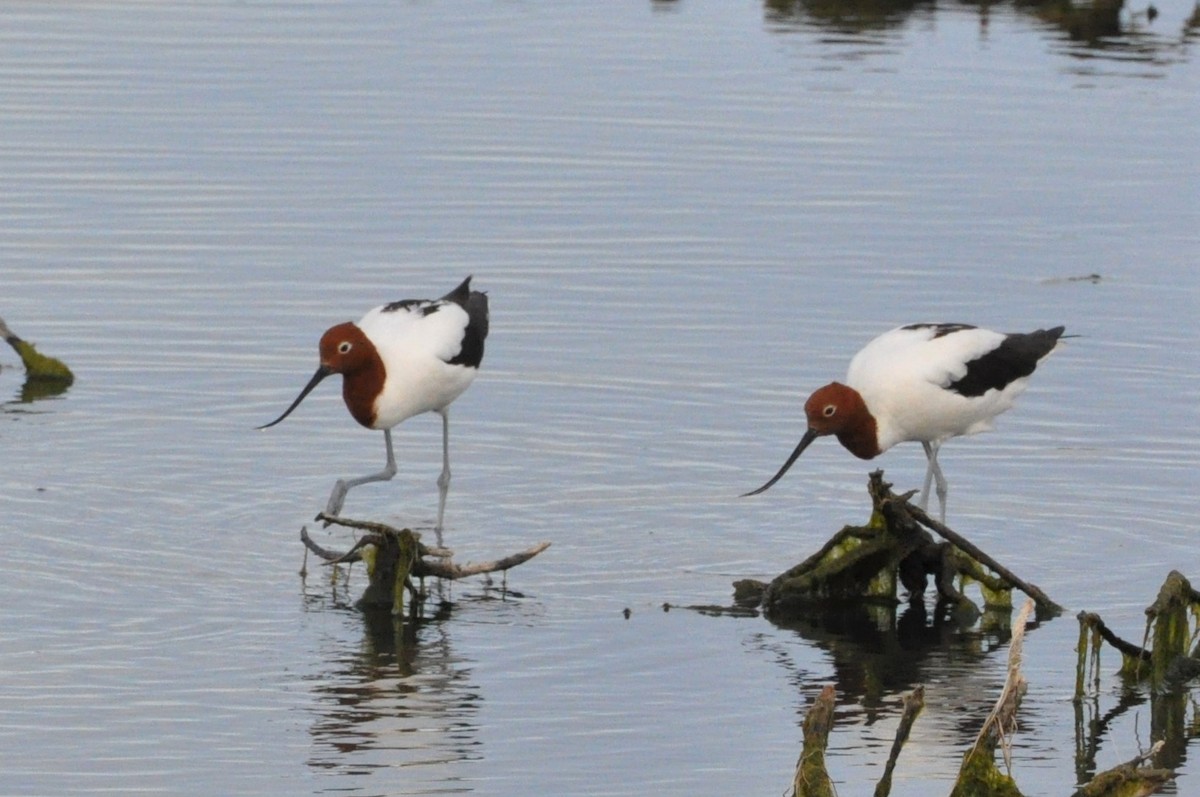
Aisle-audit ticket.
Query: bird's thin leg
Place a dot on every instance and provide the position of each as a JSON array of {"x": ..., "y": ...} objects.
[
  {"x": 935, "y": 473},
  {"x": 930, "y": 455},
  {"x": 443, "y": 481},
  {"x": 343, "y": 486}
]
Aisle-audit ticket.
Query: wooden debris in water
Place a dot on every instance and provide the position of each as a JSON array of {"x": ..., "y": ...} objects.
[
  {"x": 395, "y": 557},
  {"x": 37, "y": 366},
  {"x": 979, "y": 775},
  {"x": 1166, "y": 662},
  {"x": 895, "y": 548},
  {"x": 1130, "y": 779},
  {"x": 811, "y": 778},
  {"x": 913, "y": 703}
]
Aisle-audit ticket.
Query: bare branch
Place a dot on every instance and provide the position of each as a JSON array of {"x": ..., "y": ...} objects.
[{"x": 452, "y": 571}]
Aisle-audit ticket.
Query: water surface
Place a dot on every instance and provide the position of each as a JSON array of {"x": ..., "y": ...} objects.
[{"x": 687, "y": 215}]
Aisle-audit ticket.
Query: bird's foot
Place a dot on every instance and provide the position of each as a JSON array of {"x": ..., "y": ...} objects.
[{"x": 336, "y": 499}]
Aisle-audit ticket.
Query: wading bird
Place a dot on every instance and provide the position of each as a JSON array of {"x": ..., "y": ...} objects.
[
  {"x": 400, "y": 360},
  {"x": 927, "y": 383}
]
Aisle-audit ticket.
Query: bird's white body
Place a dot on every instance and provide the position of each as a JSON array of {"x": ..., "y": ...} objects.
[
  {"x": 416, "y": 349},
  {"x": 904, "y": 375}
]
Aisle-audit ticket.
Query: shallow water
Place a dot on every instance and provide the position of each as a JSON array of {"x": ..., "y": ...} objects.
[{"x": 687, "y": 215}]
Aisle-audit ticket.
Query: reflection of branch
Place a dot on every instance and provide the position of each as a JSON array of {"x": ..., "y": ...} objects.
[
  {"x": 913, "y": 703},
  {"x": 1129, "y": 778},
  {"x": 978, "y": 773}
]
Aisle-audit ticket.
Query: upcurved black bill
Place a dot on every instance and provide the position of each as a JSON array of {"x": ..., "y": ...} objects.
[
  {"x": 321, "y": 373},
  {"x": 809, "y": 436}
]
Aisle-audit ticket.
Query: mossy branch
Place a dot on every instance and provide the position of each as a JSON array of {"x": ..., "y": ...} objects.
[{"x": 37, "y": 366}]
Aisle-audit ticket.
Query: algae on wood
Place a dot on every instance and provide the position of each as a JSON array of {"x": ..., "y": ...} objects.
[
  {"x": 811, "y": 778},
  {"x": 867, "y": 563},
  {"x": 1163, "y": 664},
  {"x": 1167, "y": 661},
  {"x": 37, "y": 365}
]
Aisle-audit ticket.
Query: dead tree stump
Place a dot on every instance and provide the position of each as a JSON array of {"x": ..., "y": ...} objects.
[{"x": 896, "y": 547}]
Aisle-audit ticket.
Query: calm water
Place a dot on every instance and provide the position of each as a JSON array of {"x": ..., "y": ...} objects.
[{"x": 687, "y": 216}]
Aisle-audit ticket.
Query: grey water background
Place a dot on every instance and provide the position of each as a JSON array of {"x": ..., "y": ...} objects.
[{"x": 687, "y": 215}]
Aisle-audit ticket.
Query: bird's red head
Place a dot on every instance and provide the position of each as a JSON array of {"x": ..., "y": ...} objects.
[
  {"x": 840, "y": 410},
  {"x": 830, "y": 408},
  {"x": 345, "y": 349}
]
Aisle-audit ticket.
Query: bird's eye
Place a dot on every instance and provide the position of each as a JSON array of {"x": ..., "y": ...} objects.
[
  {"x": 829, "y": 410},
  {"x": 345, "y": 346}
]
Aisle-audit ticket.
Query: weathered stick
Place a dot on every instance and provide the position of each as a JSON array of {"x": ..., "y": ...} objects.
[
  {"x": 378, "y": 528},
  {"x": 812, "y": 779},
  {"x": 452, "y": 571},
  {"x": 979, "y": 774},
  {"x": 1092, "y": 620},
  {"x": 326, "y": 554},
  {"x": 913, "y": 704},
  {"x": 973, "y": 550}
]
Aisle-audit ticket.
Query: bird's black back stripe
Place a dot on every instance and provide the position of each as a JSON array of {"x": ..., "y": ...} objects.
[
  {"x": 1016, "y": 357},
  {"x": 424, "y": 306},
  {"x": 460, "y": 296},
  {"x": 940, "y": 330},
  {"x": 476, "y": 305}
]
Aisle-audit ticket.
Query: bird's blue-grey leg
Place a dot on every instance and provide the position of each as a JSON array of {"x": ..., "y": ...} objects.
[
  {"x": 934, "y": 474},
  {"x": 343, "y": 486},
  {"x": 923, "y": 502},
  {"x": 443, "y": 481}
]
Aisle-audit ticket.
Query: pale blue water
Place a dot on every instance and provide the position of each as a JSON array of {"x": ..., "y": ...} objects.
[{"x": 687, "y": 215}]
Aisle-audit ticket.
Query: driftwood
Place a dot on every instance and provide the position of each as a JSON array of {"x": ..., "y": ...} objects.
[
  {"x": 979, "y": 775},
  {"x": 44, "y": 376},
  {"x": 895, "y": 548},
  {"x": 811, "y": 778},
  {"x": 1130, "y": 779},
  {"x": 394, "y": 557},
  {"x": 1167, "y": 662},
  {"x": 1164, "y": 664}
]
